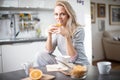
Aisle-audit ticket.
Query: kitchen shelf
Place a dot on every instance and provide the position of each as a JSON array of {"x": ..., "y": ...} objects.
[
  {"x": 24, "y": 9},
  {"x": 27, "y": 25}
]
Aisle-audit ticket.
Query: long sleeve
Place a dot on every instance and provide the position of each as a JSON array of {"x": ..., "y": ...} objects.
[
  {"x": 54, "y": 43},
  {"x": 78, "y": 42}
]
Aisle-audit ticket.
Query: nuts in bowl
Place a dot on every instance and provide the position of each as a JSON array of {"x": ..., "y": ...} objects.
[{"x": 78, "y": 72}]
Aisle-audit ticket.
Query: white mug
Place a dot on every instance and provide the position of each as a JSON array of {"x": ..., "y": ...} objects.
[
  {"x": 26, "y": 66},
  {"x": 104, "y": 67}
]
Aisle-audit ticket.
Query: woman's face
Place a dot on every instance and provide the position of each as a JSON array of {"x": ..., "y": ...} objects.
[{"x": 61, "y": 15}]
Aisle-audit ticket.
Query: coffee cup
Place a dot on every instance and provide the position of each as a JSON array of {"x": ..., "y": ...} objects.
[
  {"x": 104, "y": 67},
  {"x": 27, "y": 66}
]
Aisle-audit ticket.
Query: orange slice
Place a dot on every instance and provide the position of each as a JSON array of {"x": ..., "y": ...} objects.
[
  {"x": 35, "y": 74},
  {"x": 58, "y": 25}
]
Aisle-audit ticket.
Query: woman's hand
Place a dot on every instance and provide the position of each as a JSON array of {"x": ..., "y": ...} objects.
[
  {"x": 64, "y": 31},
  {"x": 52, "y": 29}
]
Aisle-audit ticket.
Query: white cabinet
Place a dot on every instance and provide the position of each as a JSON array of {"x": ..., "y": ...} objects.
[
  {"x": 19, "y": 53},
  {"x": 0, "y": 60},
  {"x": 37, "y": 3},
  {"x": 49, "y": 4},
  {"x": 31, "y": 3},
  {"x": 28, "y": 3},
  {"x": 8, "y": 3},
  {"x": 0, "y": 64}
]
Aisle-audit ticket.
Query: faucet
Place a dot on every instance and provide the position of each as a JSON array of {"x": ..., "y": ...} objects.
[{"x": 17, "y": 34}]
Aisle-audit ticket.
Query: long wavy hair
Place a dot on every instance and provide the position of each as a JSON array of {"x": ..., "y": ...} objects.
[{"x": 72, "y": 22}]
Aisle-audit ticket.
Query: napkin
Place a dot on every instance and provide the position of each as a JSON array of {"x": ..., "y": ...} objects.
[{"x": 56, "y": 67}]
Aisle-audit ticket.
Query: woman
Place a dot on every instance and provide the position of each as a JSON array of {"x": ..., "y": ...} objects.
[{"x": 69, "y": 37}]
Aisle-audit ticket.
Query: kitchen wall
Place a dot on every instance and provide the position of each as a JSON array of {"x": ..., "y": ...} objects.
[
  {"x": 47, "y": 18},
  {"x": 81, "y": 7},
  {"x": 4, "y": 31},
  {"x": 97, "y": 48}
]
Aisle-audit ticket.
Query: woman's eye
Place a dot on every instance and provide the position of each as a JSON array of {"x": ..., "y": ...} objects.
[
  {"x": 55, "y": 14},
  {"x": 63, "y": 14}
]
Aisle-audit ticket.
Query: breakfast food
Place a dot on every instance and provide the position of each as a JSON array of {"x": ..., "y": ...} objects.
[
  {"x": 58, "y": 25},
  {"x": 35, "y": 74},
  {"x": 78, "y": 71}
]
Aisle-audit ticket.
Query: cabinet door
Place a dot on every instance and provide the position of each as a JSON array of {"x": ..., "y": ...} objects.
[
  {"x": 0, "y": 60},
  {"x": 8, "y": 3},
  {"x": 0, "y": 50},
  {"x": 50, "y": 5},
  {"x": 31, "y": 3},
  {"x": 0, "y": 64},
  {"x": 37, "y": 3},
  {"x": 17, "y": 54}
]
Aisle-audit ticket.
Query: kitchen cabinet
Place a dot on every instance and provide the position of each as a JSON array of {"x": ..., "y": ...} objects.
[
  {"x": 8, "y": 3},
  {"x": 0, "y": 64},
  {"x": 37, "y": 3},
  {"x": 50, "y": 5},
  {"x": 31, "y": 3},
  {"x": 19, "y": 53},
  {"x": 0, "y": 59}
]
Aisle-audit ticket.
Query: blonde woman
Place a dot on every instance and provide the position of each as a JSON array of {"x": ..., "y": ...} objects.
[{"x": 67, "y": 35}]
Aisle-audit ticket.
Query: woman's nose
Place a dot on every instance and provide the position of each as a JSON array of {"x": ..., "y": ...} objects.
[{"x": 59, "y": 16}]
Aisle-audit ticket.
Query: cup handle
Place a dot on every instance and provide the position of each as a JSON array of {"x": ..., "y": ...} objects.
[
  {"x": 108, "y": 68},
  {"x": 25, "y": 67}
]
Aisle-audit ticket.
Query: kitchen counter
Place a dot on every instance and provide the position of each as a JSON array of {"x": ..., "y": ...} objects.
[{"x": 21, "y": 40}]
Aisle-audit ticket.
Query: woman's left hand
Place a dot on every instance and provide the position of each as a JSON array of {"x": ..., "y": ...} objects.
[{"x": 64, "y": 31}]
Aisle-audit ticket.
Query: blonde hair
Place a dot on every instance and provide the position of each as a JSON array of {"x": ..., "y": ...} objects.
[{"x": 72, "y": 22}]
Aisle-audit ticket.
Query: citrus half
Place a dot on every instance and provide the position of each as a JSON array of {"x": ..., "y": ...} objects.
[
  {"x": 58, "y": 25},
  {"x": 35, "y": 74}
]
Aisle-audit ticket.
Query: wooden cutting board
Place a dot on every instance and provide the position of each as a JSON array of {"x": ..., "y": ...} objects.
[{"x": 44, "y": 77}]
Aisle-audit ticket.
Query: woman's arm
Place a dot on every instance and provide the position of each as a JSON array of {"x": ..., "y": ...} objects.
[
  {"x": 69, "y": 47},
  {"x": 51, "y": 42}
]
